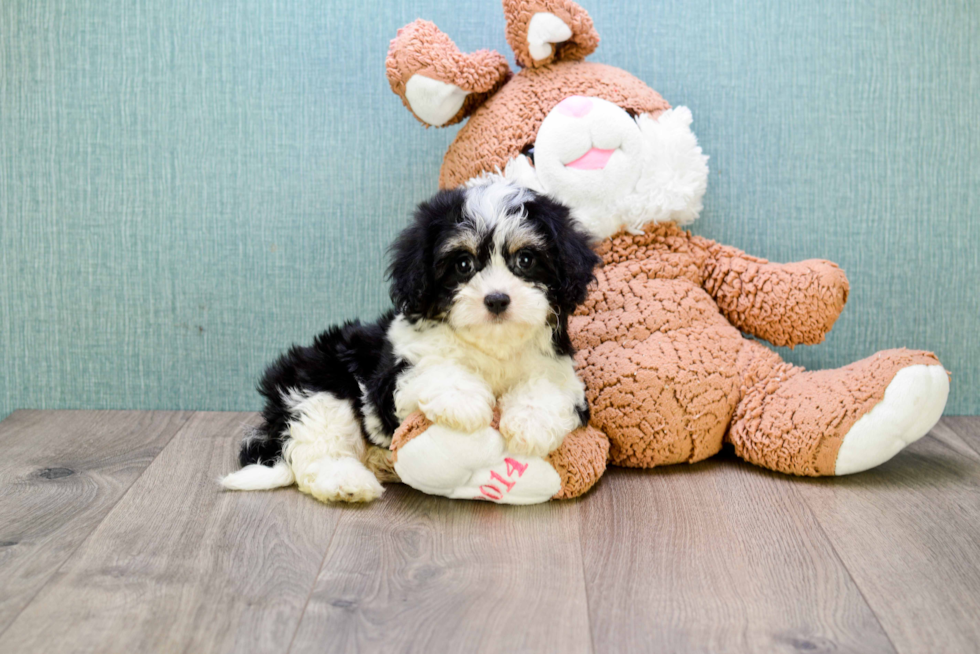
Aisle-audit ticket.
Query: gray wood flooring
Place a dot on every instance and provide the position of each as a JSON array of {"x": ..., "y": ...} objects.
[{"x": 114, "y": 537}]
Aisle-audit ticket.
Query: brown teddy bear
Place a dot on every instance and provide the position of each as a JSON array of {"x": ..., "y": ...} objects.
[{"x": 669, "y": 375}]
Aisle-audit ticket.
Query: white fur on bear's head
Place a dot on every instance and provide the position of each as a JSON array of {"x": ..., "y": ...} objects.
[
  {"x": 615, "y": 172},
  {"x": 589, "y": 152}
]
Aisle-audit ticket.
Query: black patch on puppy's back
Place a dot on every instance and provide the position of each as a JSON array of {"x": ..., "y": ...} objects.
[{"x": 338, "y": 359}]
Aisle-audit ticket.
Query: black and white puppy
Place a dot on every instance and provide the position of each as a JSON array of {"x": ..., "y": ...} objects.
[{"x": 483, "y": 282}]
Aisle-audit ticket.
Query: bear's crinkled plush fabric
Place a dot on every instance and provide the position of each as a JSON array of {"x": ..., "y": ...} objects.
[
  {"x": 422, "y": 48},
  {"x": 669, "y": 339},
  {"x": 668, "y": 374}
]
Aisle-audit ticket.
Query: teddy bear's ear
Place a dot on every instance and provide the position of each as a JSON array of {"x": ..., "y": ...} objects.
[
  {"x": 439, "y": 84},
  {"x": 542, "y": 31}
]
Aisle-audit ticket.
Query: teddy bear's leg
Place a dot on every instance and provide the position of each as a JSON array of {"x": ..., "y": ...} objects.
[
  {"x": 580, "y": 461},
  {"x": 834, "y": 422}
]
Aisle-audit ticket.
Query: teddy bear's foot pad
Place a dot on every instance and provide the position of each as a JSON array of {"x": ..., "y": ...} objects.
[
  {"x": 913, "y": 403},
  {"x": 476, "y": 466}
]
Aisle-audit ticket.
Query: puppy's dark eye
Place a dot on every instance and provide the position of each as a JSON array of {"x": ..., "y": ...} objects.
[
  {"x": 525, "y": 260},
  {"x": 464, "y": 265}
]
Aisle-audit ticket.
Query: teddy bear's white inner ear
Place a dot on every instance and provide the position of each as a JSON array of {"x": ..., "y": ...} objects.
[
  {"x": 543, "y": 30},
  {"x": 433, "y": 101}
]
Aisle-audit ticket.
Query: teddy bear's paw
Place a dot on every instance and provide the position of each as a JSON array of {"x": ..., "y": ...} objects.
[
  {"x": 530, "y": 431},
  {"x": 913, "y": 403},
  {"x": 466, "y": 412},
  {"x": 441, "y": 461},
  {"x": 343, "y": 480}
]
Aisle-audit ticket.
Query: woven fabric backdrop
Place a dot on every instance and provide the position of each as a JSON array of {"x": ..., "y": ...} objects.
[{"x": 188, "y": 187}]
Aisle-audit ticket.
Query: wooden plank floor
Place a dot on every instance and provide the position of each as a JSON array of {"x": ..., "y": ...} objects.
[{"x": 114, "y": 537}]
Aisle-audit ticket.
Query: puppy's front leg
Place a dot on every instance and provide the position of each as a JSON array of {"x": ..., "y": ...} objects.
[
  {"x": 536, "y": 416},
  {"x": 447, "y": 394}
]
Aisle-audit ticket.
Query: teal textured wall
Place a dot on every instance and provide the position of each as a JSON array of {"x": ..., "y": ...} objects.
[{"x": 187, "y": 187}]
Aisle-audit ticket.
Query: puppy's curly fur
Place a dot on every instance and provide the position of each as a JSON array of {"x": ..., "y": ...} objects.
[{"x": 483, "y": 282}]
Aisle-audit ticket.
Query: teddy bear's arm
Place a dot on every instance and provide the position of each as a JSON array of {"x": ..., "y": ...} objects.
[{"x": 786, "y": 304}]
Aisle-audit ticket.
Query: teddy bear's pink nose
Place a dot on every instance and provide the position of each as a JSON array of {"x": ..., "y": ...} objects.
[{"x": 575, "y": 106}]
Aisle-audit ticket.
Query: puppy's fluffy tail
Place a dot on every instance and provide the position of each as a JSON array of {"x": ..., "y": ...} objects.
[
  {"x": 259, "y": 477},
  {"x": 258, "y": 447}
]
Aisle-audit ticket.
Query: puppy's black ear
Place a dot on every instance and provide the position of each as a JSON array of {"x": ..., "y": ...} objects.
[
  {"x": 572, "y": 250},
  {"x": 408, "y": 272},
  {"x": 579, "y": 261},
  {"x": 411, "y": 271}
]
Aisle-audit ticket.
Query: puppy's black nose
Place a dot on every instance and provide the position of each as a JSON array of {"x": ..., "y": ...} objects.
[{"x": 497, "y": 303}]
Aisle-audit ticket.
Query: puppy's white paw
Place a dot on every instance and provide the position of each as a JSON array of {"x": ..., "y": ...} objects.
[
  {"x": 344, "y": 480},
  {"x": 466, "y": 412},
  {"x": 531, "y": 432}
]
